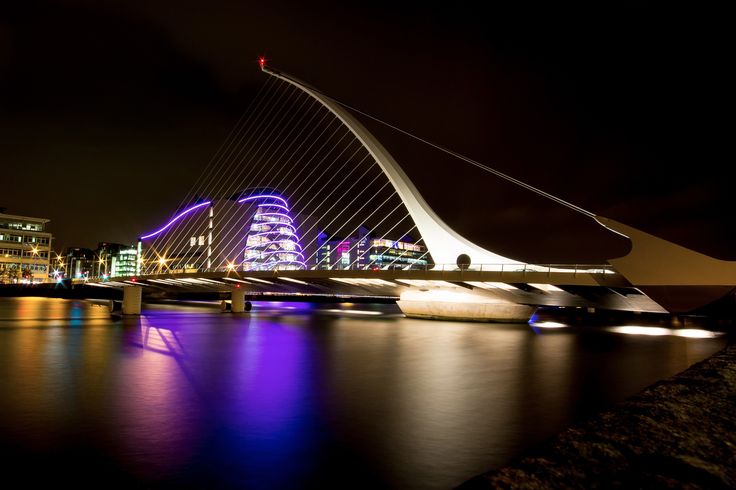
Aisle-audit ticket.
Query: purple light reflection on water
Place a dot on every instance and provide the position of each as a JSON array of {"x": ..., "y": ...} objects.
[{"x": 284, "y": 397}]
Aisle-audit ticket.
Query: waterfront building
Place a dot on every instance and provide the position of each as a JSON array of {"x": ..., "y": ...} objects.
[
  {"x": 272, "y": 242},
  {"x": 365, "y": 252},
  {"x": 25, "y": 249},
  {"x": 395, "y": 254},
  {"x": 79, "y": 263},
  {"x": 115, "y": 260}
]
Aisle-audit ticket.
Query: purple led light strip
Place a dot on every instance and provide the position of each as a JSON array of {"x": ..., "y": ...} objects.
[
  {"x": 174, "y": 220},
  {"x": 264, "y": 196}
]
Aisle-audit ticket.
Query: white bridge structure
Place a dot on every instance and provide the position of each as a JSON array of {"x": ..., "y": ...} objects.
[{"x": 303, "y": 201}]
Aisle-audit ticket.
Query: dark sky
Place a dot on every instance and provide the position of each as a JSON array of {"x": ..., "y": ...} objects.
[{"x": 109, "y": 110}]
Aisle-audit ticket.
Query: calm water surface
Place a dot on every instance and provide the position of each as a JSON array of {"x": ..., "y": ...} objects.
[{"x": 295, "y": 396}]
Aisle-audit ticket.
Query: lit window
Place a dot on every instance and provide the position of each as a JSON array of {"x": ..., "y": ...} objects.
[
  {"x": 201, "y": 239},
  {"x": 192, "y": 241}
]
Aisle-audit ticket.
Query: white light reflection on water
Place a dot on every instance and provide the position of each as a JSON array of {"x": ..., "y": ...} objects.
[{"x": 692, "y": 333}]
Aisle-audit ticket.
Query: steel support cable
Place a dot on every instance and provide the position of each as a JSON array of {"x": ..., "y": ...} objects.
[
  {"x": 217, "y": 179},
  {"x": 259, "y": 163},
  {"x": 389, "y": 248},
  {"x": 235, "y": 181},
  {"x": 318, "y": 151},
  {"x": 347, "y": 207},
  {"x": 330, "y": 179},
  {"x": 259, "y": 135},
  {"x": 383, "y": 237},
  {"x": 162, "y": 239},
  {"x": 452, "y": 153},
  {"x": 218, "y": 162},
  {"x": 324, "y": 199},
  {"x": 344, "y": 209},
  {"x": 288, "y": 163},
  {"x": 225, "y": 144},
  {"x": 308, "y": 164},
  {"x": 334, "y": 160},
  {"x": 285, "y": 161},
  {"x": 321, "y": 160},
  {"x": 262, "y": 129},
  {"x": 249, "y": 185},
  {"x": 333, "y": 235},
  {"x": 305, "y": 153},
  {"x": 401, "y": 203},
  {"x": 347, "y": 191},
  {"x": 376, "y": 227}
]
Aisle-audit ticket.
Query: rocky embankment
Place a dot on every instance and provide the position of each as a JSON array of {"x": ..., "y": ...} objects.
[{"x": 678, "y": 433}]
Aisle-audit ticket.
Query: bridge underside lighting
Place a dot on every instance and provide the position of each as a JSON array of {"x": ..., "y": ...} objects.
[
  {"x": 255, "y": 279},
  {"x": 546, "y": 287},
  {"x": 421, "y": 283},
  {"x": 296, "y": 281},
  {"x": 363, "y": 282},
  {"x": 235, "y": 280},
  {"x": 491, "y": 285}
]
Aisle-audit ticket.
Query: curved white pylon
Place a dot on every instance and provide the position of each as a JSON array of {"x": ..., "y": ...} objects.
[{"x": 443, "y": 243}]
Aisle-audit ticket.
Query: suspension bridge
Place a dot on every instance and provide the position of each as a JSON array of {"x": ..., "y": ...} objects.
[{"x": 302, "y": 200}]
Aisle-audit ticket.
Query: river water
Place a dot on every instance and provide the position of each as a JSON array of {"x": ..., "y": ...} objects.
[{"x": 294, "y": 395}]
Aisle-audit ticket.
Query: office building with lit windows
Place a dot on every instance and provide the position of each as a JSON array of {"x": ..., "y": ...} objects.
[
  {"x": 115, "y": 260},
  {"x": 79, "y": 263},
  {"x": 25, "y": 249},
  {"x": 365, "y": 252}
]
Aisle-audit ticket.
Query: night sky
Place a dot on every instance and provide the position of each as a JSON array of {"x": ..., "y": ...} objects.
[{"x": 109, "y": 111}]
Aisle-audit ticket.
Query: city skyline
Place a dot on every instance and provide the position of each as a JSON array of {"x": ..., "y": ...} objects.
[{"x": 143, "y": 96}]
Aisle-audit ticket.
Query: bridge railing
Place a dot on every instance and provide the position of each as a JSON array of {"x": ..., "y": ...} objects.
[
  {"x": 522, "y": 267},
  {"x": 500, "y": 268}
]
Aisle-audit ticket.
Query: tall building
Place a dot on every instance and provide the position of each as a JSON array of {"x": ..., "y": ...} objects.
[
  {"x": 79, "y": 263},
  {"x": 340, "y": 253},
  {"x": 272, "y": 242},
  {"x": 366, "y": 252},
  {"x": 25, "y": 249},
  {"x": 115, "y": 260}
]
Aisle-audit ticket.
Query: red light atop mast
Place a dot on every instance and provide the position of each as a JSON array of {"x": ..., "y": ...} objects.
[{"x": 262, "y": 61}]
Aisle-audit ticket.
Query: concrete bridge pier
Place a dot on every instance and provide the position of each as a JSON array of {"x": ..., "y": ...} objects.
[
  {"x": 237, "y": 301},
  {"x": 132, "y": 299}
]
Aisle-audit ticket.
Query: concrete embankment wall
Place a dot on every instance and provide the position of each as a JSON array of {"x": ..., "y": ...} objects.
[{"x": 678, "y": 433}]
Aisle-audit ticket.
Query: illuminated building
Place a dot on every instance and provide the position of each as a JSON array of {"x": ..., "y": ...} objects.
[
  {"x": 79, "y": 263},
  {"x": 115, "y": 260},
  {"x": 25, "y": 249},
  {"x": 272, "y": 242},
  {"x": 365, "y": 252},
  {"x": 392, "y": 254},
  {"x": 338, "y": 253},
  {"x": 210, "y": 236}
]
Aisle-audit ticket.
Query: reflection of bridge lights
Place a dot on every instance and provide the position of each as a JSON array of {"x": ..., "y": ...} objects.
[
  {"x": 353, "y": 312},
  {"x": 692, "y": 333}
]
